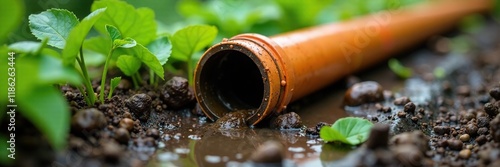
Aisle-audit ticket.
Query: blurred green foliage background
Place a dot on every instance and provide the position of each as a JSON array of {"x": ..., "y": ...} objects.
[{"x": 231, "y": 17}]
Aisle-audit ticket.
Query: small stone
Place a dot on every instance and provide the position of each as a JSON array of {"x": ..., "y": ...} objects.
[
  {"x": 465, "y": 154},
  {"x": 140, "y": 105},
  {"x": 88, "y": 120},
  {"x": 127, "y": 123},
  {"x": 312, "y": 132},
  {"x": 401, "y": 114},
  {"x": 122, "y": 135},
  {"x": 495, "y": 93},
  {"x": 442, "y": 143},
  {"x": 471, "y": 129},
  {"x": 153, "y": 132},
  {"x": 268, "y": 152},
  {"x": 441, "y": 130},
  {"x": 455, "y": 144},
  {"x": 176, "y": 93},
  {"x": 482, "y": 131},
  {"x": 464, "y": 137},
  {"x": 491, "y": 109},
  {"x": 410, "y": 107},
  {"x": 363, "y": 92},
  {"x": 402, "y": 101},
  {"x": 481, "y": 140}
]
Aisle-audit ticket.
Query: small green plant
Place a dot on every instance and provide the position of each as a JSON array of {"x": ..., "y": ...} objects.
[
  {"x": 114, "y": 83},
  {"x": 189, "y": 40},
  {"x": 400, "y": 70},
  {"x": 349, "y": 130},
  {"x": 64, "y": 31}
]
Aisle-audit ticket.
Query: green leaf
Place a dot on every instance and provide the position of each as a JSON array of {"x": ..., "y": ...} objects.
[
  {"x": 129, "y": 65},
  {"x": 191, "y": 39},
  {"x": 349, "y": 130},
  {"x": 399, "y": 69},
  {"x": 48, "y": 110},
  {"x": 11, "y": 14},
  {"x": 161, "y": 48},
  {"x": 54, "y": 24},
  {"x": 26, "y": 47},
  {"x": 125, "y": 43},
  {"x": 78, "y": 34},
  {"x": 99, "y": 44},
  {"x": 114, "y": 83},
  {"x": 138, "y": 24},
  {"x": 147, "y": 58},
  {"x": 113, "y": 32},
  {"x": 330, "y": 134},
  {"x": 53, "y": 71}
]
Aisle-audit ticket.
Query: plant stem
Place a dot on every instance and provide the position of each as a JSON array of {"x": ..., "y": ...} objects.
[
  {"x": 87, "y": 100},
  {"x": 190, "y": 71},
  {"x": 87, "y": 82},
  {"x": 103, "y": 77},
  {"x": 151, "y": 77},
  {"x": 135, "y": 80}
]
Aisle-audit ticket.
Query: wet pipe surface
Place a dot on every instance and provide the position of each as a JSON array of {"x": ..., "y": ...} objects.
[{"x": 447, "y": 112}]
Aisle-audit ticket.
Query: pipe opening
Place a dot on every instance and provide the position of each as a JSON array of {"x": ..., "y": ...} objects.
[{"x": 232, "y": 81}]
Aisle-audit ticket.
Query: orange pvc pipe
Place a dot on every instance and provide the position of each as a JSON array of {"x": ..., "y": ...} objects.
[{"x": 262, "y": 75}]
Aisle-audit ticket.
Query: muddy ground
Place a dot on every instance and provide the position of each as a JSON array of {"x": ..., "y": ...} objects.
[{"x": 450, "y": 121}]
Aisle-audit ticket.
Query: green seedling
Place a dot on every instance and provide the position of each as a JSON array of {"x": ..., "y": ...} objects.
[
  {"x": 400, "y": 70},
  {"x": 162, "y": 49},
  {"x": 114, "y": 83},
  {"x": 349, "y": 130},
  {"x": 117, "y": 42},
  {"x": 64, "y": 31},
  {"x": 189, "y": 40}
]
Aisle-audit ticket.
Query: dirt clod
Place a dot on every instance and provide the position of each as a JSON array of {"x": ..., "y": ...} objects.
[
  {"x": 176, "y": 93},
  {"x": 410, "y": 107},
  {"x": 88, "y": 120},
  {"x": 122, "y": 135},
  {"x": 441, "y": 130},
  {"x": 491, "y": 109},
  {"x": 471, "y": 129},
  {"x": 495, "y": 93},
  {"x": 287, "y": 121},
  {"x": 455, "y": 144},
  {"x": 363, "y": 92},
  {"x": 140, "y": 105},
  {"x": 232, "y": 120},
  {"x": 401, "y": 101}
]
